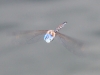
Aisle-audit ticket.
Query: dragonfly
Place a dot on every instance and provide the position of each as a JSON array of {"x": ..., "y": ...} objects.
[{"x": 69, "y": 43}]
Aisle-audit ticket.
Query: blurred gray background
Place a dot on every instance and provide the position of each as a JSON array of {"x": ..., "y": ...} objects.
[{"x": 83, "y": 17}]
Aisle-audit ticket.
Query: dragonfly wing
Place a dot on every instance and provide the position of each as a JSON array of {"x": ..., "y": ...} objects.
[
  {"x": 71, "y": 44},
  {"x": 27, "y": 37}
]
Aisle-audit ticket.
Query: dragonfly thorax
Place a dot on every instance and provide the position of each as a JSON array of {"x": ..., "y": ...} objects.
[
  {"x": 51, "y": 32},
  {"x": 49, "y": 36}
]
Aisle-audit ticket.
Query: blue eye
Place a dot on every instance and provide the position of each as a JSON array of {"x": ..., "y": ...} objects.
[{"x": 46, "y": 36}]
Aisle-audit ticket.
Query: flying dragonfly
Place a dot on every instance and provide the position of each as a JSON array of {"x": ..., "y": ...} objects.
[{"x": 49, "y": 35}]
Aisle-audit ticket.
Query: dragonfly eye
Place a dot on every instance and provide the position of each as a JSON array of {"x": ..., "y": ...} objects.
[{"x": 48, "y": 38}]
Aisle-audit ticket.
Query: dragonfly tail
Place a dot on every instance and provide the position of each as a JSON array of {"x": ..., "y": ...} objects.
[{"x": 60, "y": 26}]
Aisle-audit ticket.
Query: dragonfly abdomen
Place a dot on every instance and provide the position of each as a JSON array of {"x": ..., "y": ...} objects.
[{"x": 60, "y": 26}]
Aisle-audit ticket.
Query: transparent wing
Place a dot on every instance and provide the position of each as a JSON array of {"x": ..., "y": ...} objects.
[
  {"x": 71, "y": 44},
  {"x": 27, "y": 37}
]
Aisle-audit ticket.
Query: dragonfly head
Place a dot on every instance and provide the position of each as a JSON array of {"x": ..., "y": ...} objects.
[{"x": 48, "y": 38}]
